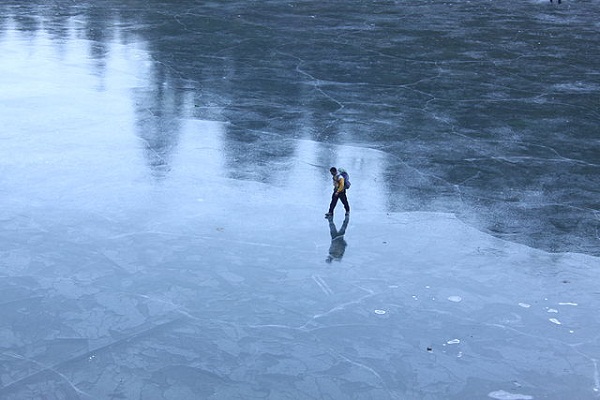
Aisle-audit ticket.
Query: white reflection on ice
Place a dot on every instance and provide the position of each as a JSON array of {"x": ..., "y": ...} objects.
[{"x": 503, "y": 395}]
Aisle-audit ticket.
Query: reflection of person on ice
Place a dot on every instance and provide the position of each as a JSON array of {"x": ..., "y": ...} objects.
[
  {"x": 338, "y": 243},
  {"x": 339, "y": 192}
]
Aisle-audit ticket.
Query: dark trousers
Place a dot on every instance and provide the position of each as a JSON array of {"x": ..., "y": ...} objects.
[{"x": 334, "y": 200}]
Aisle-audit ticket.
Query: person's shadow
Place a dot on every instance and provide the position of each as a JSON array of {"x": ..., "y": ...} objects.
[{"x": 338, "y": 243}]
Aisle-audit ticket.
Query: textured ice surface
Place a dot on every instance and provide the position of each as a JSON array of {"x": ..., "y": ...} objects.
[{"x": 163, "y": 179}]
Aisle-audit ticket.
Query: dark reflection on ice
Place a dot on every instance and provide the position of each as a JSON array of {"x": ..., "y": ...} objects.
[
  {"x": 338, "y": 240},
  {"x": 159, "y": 110},
  {"x": 164, "y": 173}
]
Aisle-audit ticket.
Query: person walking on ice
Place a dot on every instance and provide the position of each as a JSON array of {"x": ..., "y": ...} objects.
[{"x": 340, "y": 184}]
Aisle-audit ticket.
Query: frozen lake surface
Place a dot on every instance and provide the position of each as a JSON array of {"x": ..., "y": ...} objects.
[{"x": 164, "y": 174}]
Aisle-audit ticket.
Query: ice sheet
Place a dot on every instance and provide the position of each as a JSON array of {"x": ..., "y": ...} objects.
[{"x": 164, "y": 174}]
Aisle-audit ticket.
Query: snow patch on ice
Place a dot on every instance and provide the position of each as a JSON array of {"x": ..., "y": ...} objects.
[{"x": 503, "y": 395}]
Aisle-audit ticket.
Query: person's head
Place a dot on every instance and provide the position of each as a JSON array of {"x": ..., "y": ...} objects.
[{"x": 333, "y": 171}]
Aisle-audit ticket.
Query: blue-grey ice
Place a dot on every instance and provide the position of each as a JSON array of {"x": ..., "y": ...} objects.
[{"x": 164, "y": 175}]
